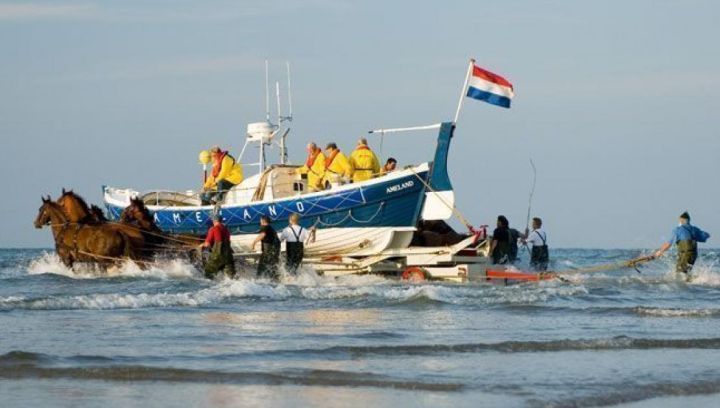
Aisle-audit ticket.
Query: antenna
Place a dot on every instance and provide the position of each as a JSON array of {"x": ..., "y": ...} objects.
[
  {"x": 267, "y": 91},
  {"x": 289, "y": 92},
  {"x": 277, "y": 95}
]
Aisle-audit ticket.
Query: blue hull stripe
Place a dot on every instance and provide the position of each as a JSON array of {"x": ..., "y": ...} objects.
[{"x": 395, "y": 203}]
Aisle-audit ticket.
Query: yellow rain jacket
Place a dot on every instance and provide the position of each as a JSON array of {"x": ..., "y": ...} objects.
[
  {"x": 336, "y": 166},
  {"x": 364, "y": 163},
  {"x": 315, "y": 171},
  {"x": 230, "y": 170}
]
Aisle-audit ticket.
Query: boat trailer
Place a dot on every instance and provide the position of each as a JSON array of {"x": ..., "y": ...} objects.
[{"x": 465, "y": 261}]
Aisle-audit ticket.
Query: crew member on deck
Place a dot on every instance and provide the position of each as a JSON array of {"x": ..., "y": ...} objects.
[
  {"x": 390, "y": 166},
  {"x": 500, "y": 244},
  {"x": 364, "y": 162},
  {"x": 226, "y": 173},
  {"x": 686, "y": 237},
  {"x": 314, "y": 167},
  {"x": 537, "y": 239},
  {"x": 337, "y": 166},
  {"x": 270, "y": 255},
  {"x": 221, "y": 254},
  {"x": 295, "y": 237}
]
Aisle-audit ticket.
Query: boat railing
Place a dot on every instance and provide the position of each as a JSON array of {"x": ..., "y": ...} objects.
[{"x": 169, "y": 198}]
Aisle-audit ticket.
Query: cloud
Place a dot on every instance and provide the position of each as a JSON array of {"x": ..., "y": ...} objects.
[{"x": 30, "y": 11}]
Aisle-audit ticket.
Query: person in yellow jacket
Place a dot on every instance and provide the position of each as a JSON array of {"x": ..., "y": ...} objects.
[
  {"x": 314, "y": 167},
  {"x": 337, "y": 166},
  {"x": 226, "y": 173},
  {"x": 364, "y": 162}
]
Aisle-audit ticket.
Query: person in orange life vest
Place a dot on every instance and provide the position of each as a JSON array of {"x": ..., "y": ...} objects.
[
  {"x": 337, "y": 166},
  {"x": 364, "y": 162},
  {"x": 390, "y": 166},
  {"x": 221, "y": 254},
  {"x": 226, "y": 173},
  {"x": 314, "y": 167}
]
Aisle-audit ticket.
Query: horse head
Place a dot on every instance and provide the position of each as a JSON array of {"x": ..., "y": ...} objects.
[
  {"x": 138, "y": 213},
  {"x": 44, "y": 216}
]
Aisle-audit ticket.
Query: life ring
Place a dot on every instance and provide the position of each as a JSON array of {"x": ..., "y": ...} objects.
[{"x": 414, "y": 274}]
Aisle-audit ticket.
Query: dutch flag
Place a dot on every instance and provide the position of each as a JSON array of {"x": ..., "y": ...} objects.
[{"x": 491, "y": 88}]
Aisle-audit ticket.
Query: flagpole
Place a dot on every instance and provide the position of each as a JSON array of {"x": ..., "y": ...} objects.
[{"x": 463, "y": 91}]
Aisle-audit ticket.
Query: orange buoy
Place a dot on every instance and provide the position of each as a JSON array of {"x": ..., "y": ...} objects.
[{"x": 414, "y": 274}]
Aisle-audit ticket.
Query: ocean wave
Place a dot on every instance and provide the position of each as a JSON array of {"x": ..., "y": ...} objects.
[
  {"x": 21, "y": 365},
  {"x": 613, "y": 343},
  {"x": 675, "y": 312},
  {"x": 388, "y": 350},
  {"x": 341, "y": 289},
  {"x": 628, "y": 392},
  {"x": 219, "y": 293}
]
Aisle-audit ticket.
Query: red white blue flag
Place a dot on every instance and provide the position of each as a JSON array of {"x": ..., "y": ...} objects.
[{"x": 491, "y": 88}]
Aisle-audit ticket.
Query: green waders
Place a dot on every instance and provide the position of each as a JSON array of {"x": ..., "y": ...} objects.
[
  {"x": 221, "y": 259},
  {"x": 687, "y": 255},
  {"x": 294, "y": 252},
  {"x": 503, "y": 251},
  {"x": 268, "y": 262},
  {"x": 540, "y": 257}
]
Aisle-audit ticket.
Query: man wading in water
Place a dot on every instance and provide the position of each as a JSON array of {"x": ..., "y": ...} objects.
[
  {"x": 295, "y": 237},
  {"x": 686, "y": 237},
  {"x": 268, "y": 262},
  {"x": 501, "y": 244},
  {"x": 221, "y": 255},
  {"x": 537, "y": 239}
]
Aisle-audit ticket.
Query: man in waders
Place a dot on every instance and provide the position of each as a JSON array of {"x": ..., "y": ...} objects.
[
  {"x": 221, "y": 254},
  {"x": 500, "y": 246},
  {"x": 515, "y": 236},
  {"x": 537, "y": 239},
  {"x": 295, "y": 237},
  {"x": 686, "y": 237},
  {"x": 270, "y": 255}
]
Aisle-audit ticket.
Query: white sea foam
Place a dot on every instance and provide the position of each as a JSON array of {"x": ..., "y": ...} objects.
[
  {"x": 307, "y": 286},
  {"x": 49, "y": 263},
  {"x": 221, "y": 292},
  {"x": 672, "y": 312}
]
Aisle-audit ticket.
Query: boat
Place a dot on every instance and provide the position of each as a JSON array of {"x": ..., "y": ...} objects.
[{"x": 353, "y": 219}]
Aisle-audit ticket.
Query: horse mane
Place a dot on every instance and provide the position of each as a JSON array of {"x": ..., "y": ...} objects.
[
  {"x": 140, "y": 205},
  {"x": 98, "y": 212},
  {"x": 77, "y": 197}
]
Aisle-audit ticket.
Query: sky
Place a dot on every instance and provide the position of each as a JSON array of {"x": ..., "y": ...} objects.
[{"x": 616, "y": 102}]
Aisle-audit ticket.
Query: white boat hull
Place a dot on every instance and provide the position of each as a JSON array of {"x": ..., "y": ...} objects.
[{"x": 343, "y": 241}]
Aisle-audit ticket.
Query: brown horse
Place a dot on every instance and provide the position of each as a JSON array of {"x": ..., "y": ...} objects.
[
  {"x": 137, "y": 214},
  {"x": 77, "y": 210},
  {"x": 75, "y": 242}
]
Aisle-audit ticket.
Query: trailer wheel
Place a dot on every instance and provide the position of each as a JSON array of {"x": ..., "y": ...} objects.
[{"x": 414, "y": 274}]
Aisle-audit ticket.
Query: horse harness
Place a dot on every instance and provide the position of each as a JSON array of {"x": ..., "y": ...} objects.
[{"x": 74, "y": 247}]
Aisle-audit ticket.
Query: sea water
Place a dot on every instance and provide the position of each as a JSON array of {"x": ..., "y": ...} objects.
[{"x": 167, "y": 337}]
